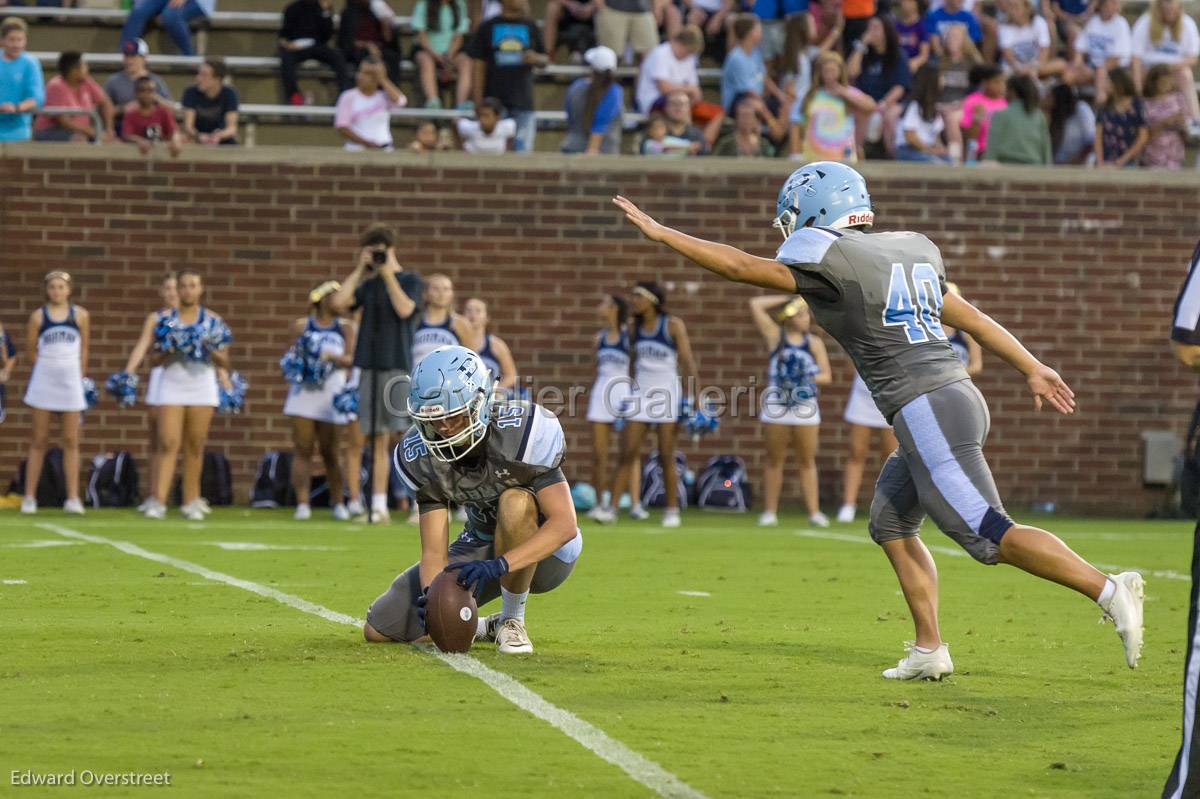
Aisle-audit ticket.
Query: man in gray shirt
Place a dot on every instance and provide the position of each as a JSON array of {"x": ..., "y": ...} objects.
[
  {"x": 883, "y": 297},
  {"x": 121, "y": 88}
]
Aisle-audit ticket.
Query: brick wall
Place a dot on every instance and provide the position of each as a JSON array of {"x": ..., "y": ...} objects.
[{"x": 1083, "y": 266}]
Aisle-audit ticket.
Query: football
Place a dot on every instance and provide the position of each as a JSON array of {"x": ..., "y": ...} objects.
[{"x": 450, "y": 614}]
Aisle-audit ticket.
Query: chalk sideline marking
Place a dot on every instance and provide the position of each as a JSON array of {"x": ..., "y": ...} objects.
[
  {"x": 693, "y": 593},
  {"x": 595, "y": 740}
]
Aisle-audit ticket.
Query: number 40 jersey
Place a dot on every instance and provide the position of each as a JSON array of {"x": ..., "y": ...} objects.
[
  {"x": 524, "y": 448},
  {"x": 880, "y": 296}
]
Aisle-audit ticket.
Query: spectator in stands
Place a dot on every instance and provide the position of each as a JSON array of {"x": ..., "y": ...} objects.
[
  {"x": 363, "y": 116},
  {"x": 744, "y": 71},
  {"x": 671, "y": 66},
  {"x": 73, "y": 87},
  {"x": 826, "y": 22},
  {"x": 1121, "y": 131},
  {"x": 919, "y": 132},
  {"x": 1165, "y": 35},
  {"x": 1070, "y": 16},
  {"x": 441, "y": 26},
  {"x": 668, "y": 17},
  {"x": 175, "y": 17},
  {"x": 823, "y": 128},
  {"x": 879, "y": 69},
  {"x": 980, "y": 105},
  {"x": 857, "y": 15},
  {"x": 21, "y": 87},
  {"x": 210, "y": 108},
  {"x": 1166, "y": 117},
  {"x": 570, "y": 23},
  {"x": 956, "y": 65},
  {"x": 657, "y": 142},
  {"x": 747, "y": 139},
  {"x": 951, "y": 12},
  {"x": 146, "y": 121},
  {"x": 1018, "y": 133},
  {"x": 1072, "y": 126},
  {"x": 429, "y": 138},
  {"x": 506, "y": 49},
  {"x": 121, "y": 87},
  {"x": 799, "y": 50},
  {"x": 710, "y": 16},
  {"x": 1025, "y": 43},
  {"x": 1104, "y": 44},
  {"x": 367, "y": 28},
  {"x": 304, "y": 36},
  {"x": 627, "y": 23},
  {"x": 677, "y": 113},
  {"x": 912, "y": 33},
  {"x": 594, "y": 106},
  {"x": 773, "y": 16},
  {"x": 487, "y": 133}
]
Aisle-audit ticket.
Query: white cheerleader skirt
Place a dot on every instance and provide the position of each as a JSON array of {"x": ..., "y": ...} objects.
[
  {"x": 188, "y": 383},
  {"x": 861, "y": 409},
  {"x": 154, "y": 385},
  {"x": 56, "y": 386},
  {"x": 655, "y": 402},
  {"x": 609, "y": 400},
  {"x": 806, "y": 413},
  {"x": 310, "y": 402}
]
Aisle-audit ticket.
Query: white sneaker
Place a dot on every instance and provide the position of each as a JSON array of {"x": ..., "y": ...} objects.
[
  {"x": 638, "y": 513},
  {"x": 602, "y": 515},
  {"x": 193, "y": 511},
  {"x": 511, "y": 638},
  {"x": 303, "y": 512},
  {"x": 819, "y": 519},
  {"x": 377, "y": 517},
  {"x": 921, "y": 665},
  {"x": 28, "y": 505},
  {"x": 355, "y": 507},
  {"x": 202, "y": 505},
  {"x": 340, "y": 513},
  {"x": 1125, "y": 611},
  {"x": 491, "y": 624},
  {"x": 671, "y": 518},
  {"x": 845, "y": 514},
  {"x": 768, "y": 519},
  {"x": 74, "y": 506},
  {"x": 146, "y": 503},
  {"x": 414, "y": 516},
  {"x": 156, "y": 511}
]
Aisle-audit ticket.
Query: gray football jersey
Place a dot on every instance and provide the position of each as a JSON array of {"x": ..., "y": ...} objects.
[
  {"x": 524, "y": 448},
  {"x": 880, "y": 296}
]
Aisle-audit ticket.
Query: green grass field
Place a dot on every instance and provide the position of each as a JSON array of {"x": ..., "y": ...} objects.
[{"x": 766, "y": 685}]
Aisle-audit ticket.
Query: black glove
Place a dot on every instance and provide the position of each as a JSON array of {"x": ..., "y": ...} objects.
[{"x": 475, "y": 574}]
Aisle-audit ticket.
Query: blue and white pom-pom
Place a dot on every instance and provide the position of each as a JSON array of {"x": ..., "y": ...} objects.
[
  {"x": 232, "y": 400},
  {"x": 165, "y": 334},
  {"x": 123, "y": 386},
  {"x": 697, "y": 421},
  {"x": 90, "y": 396},
  {"x": 216, "y": 336},
  {"x": 302, "y": 363},
  {"x": 794, "y": 375},
  {"x": 292, "y": 365},
  {"x": 346, "y": 401}
]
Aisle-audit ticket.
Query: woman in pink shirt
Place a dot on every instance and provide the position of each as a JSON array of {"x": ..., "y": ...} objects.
[
  {"x": 979, "y": 105},
  {"x": 73, "y": 87},
  {"x": 363, "y": 115}
]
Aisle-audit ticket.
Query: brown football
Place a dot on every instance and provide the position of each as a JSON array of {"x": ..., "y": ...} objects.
[{"x": 450, "y": 614}]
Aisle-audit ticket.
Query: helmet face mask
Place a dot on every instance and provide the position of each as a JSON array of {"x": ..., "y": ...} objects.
[
  {"x": 825, "y": 194},
  {"x": 451, "y": 383}
]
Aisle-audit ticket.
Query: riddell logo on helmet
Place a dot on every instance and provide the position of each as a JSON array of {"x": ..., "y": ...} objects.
[{"x": 860, "y": 219}]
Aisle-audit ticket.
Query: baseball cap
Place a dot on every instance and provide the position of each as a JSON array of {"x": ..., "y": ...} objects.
[
  {"x": 601, "y": 59},
  {"x": 135, "y": 47}
]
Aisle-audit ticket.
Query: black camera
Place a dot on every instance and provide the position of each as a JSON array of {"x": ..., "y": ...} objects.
[{"x": 378, "y": 258}]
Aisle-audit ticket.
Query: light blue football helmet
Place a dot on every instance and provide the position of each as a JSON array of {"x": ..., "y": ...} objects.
[
  {"x": 824, "y": 194},
  {"x": 451, "y": 382}
]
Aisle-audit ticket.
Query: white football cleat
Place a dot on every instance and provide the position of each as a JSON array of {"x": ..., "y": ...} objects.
[
  {"x": 671, "y": 518},
  {"x": 155, "y": 511},
  {"x": 511, "y": 638},
  {"x": 1125, "y": 611},
  {"x": 340, "y": 514},
  {"x": 28, "y": 505},
  {"x": 768, "y": 519},
  {"x": 355, "y": 507},
  {"x": 74, "y": 506},
  {"x": 491, "y": 624},
  {"x": 202, "y": 505},
  {"x": 845, "y": 514},
  {"x": 193, "y": 511},
  {"x": 303, "y": 512},
  {"x": 921, "y": 665},
  {"x": 818, "y": 519},
  {"x": 638, "y": 513},
  {"x": 602, "y": 515}
]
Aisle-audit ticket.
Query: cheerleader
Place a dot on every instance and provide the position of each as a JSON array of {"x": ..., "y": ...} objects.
[
  {"x": 790, "y": 413},
  {"x": 440, "y": 326},
  {"x": 170, "y": 300},
  {"x": 58, "y": 332},
  {"x": 494, "y": 353},
  {"x": 193, "y": 343},
  {"x": 660, "y": 348},
  {"x": 864, "y": 418},
  {"x": 310, "y": 402},
  {"x": 965, "y": 347},
  {"x": 608, "y": 398},
  {"x": 8, "y": 360}
]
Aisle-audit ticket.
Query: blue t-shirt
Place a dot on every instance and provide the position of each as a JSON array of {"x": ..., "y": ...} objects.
[
  {"x": 937, "y": 21},
  {"x": 20, "y": 79},
  {"x": 778, "y": 9},
  {"x": 877, "y": 80},
  {"x": 1073, "y": 7},
  {"x": 911, "y": 37},
  {"x": 742, "y": 72}
]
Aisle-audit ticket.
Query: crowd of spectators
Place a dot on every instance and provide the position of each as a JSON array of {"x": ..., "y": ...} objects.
[{"x": 934, "y": 81}]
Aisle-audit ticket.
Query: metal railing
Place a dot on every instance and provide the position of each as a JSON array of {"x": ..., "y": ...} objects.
[{"x": 57, "y": 111}]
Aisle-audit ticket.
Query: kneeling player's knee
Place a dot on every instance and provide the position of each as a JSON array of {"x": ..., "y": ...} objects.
[
  {"x": 518, "y": 510},
  {"x": 373, "y": 636}
]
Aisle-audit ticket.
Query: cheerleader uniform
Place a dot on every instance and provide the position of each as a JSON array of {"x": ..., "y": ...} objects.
[
  {"x": 958, "y": 342},
  {"x": 488, "y": 356},
  {"x": 804, "y": 410},
  {"x": 186, "y": 382},
  {"x": 429, "y": 337},
  {"x": 861, "y": 409},
  {"x": 57, "y": 380},
  {"x": 610, "y": 392},
  {"x": 154, "y": 384},
  {"x": 657, "y": 389},
  {"x": 316, "y": 402}
]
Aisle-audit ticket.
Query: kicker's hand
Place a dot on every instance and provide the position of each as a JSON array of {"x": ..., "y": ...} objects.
[
  {"x": 475, "y": 574},
  {"x": 1046, "y": 385},
  {"x": 650, "y": 229},
  {"x": 422, "y": 600}
]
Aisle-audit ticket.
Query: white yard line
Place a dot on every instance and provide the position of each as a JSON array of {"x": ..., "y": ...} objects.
[
  {"x": 693, "y": 593},
  {"x": 14, "y": 582},
  {"x": 1166, "y": 574},
  {"x": 592, "y": 738}
]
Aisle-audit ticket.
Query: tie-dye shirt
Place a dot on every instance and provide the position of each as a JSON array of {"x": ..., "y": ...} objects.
[{"x": 829, "y": 134}]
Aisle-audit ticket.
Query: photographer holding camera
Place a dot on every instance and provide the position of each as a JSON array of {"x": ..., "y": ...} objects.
[{"x": 390, "y": 299}]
